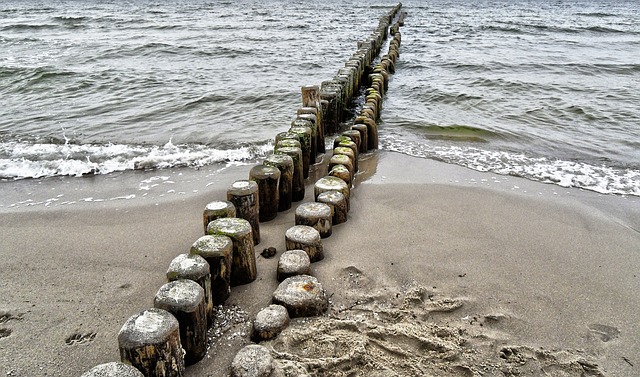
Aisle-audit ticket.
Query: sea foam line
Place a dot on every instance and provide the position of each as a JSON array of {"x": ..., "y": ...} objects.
[
  {"x": 602, "y": 179},
  {"x": 19, "y": 160}
]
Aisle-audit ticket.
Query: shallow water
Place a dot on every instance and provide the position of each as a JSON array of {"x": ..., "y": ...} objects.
[{"x": 542, "y": 89}]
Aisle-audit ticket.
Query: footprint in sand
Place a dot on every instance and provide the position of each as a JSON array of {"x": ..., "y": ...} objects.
[
  {"x": 78, "y": 338},
  {"x": 4, "y": 332},
  {"x": 604, "y": 332},
  {"x": 8, "y": 316}
]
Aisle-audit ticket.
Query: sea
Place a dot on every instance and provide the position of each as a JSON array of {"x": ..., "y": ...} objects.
[{"x": 548, "y": 90}]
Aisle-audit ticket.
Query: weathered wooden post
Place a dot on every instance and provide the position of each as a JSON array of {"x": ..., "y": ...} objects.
[
  {"x": 342, "y": 172},
  {"x": 217, "y": 209},
  {"x": 243, "y": 265},
  {"x": 268, "y": 180},
  {"x": 297, "y": 185},
  {"x": 112, "y": 369},
  {"x": 372, "y": 130},
  {"x": 305, "y": 139},
  {"x": 150, "y": 341},
  {"x": 217, "y": 250},
  {"x": 288, "y": 143},
  {"x": 317, "y": 119},
  {"x": 316, "y": 215},
  {"x": 244, "y": 196},
  {"x": 305, "y": 238},
  {"x": 338, "y": 204},
  {"x": 331, "y": 184},
  {"x": 344, "y": 160},
  {"x": 364, "y": 143},
  {"x": 311, "y": 99},
  {"x": 293, "y": 263},
  {"x": 185, "y": 300},
  {"x": 196, "y": 268},
  {"x": 349, "y": 153},
  {"x": 309, "y": 121},
  {"x": 283, "y": 163}
]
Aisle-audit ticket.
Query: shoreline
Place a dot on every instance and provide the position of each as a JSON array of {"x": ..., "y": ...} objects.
[{"x": 555, "y": 266}]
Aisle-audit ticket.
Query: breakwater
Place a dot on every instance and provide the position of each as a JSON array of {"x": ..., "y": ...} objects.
[{"x": 163, "y": 340}]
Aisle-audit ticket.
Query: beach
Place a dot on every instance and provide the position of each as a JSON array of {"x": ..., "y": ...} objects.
[{"x": 440, "y": 270}]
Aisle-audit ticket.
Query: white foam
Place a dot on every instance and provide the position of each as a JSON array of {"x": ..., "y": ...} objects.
[
  {"x": 602, "y": 179},
  {"x": 27, "y": 160}
]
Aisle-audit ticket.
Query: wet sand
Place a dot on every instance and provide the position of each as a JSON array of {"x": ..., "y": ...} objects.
[{"x": 439, "y": 271}]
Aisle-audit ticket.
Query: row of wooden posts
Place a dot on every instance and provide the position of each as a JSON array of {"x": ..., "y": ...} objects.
[{"x": 162, "y": 340}]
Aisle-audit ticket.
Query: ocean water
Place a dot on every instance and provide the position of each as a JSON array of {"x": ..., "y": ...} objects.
[{"x": 543, "y": 89}]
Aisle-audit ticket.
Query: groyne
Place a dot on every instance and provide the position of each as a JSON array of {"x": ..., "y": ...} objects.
[{"x": 165, "y": 339}]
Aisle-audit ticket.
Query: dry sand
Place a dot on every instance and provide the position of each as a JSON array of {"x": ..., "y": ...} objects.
[{"x": 439, "y": 271}]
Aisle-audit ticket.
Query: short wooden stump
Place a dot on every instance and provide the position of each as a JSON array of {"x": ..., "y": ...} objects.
[
  {"x": 349, "y": 153},
  {"x": 185, "y": 300},
  {"x": 150, "y": 341},
  {"x": 194, "y": 267},
  {"x": 268, "y": 180},
  {"x": 342, "y": 172},
  {"x": 316, "y": 215},
  {"x": 292, "y": 263},
  {"x": 338, "y": 204},
  {"x": 243, "y": 265},
  {"x": 244, "y": 196},
  {"x": 344, "y": 160},
  {"x": 113, "y": 369},
  {"x": 217, "y": 209},
  {"x": 332, "y": 184},
  {"x": 364, "y": 142},
  {"x": 217, "y": 250},
  {"x": 305, "y": 140},
  {"x": 284, "y": 163},
  {"x": 304, "y": 237},
  {"x": 297, "y": 185}
]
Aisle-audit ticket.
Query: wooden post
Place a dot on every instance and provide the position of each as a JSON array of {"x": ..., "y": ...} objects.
[
  {"x": 243, "y": 265},
  {"x": 217, "y": 250},
  {"x": 288, "y": 143},
  {"x": 349, "y": 153},
  {"x": 320, "y": 147},
  {"x": 331, "y": 184},
  {"x": 268, "y": 180},
  {"x": 217, "y": 209},
  {"x": 311, "y": 99},
  {"x": 338, "y": 204},
  {"x": 244, "y": 196},
  {"x": 309, "y": 121},
  {"x": 305, "y": 139},
  {"x": 283, "y": 163},
  {"x": 372, "y": 131},
  {"x": 305, "y": 238},
  {"x": 297, "y": 185},
  {"x": 293, "y": 263},
  {"x": 342, "y": 172},
  {"x": 185, "y": 300},
  {"x": 150, "y": 341},
  {"x": 344, "y": 160},
  {"x": 286, "y": 136},
  {"x": 364, "y": 143},
  {"x": 316, "y": 215},
  {"x": 112, "y": 369},
  {"x": 194, "y": 267}
]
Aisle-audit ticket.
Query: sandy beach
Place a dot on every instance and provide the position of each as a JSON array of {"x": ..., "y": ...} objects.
[{"x": 439, "y": 271}]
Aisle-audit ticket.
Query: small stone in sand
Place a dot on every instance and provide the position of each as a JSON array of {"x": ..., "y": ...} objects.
[
  {"x": 302, "y": 295},
  {"x": 252, "y": 361},
  {"x": 269, "y": 322},
  {"x": 268, "y": 252}
]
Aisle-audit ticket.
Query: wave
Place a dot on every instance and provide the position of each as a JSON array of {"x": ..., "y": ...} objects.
[
  {"x": 579, "y": 174},
  {"x": 20, "y": 160},
  {"x": 28, "y": 27}
]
